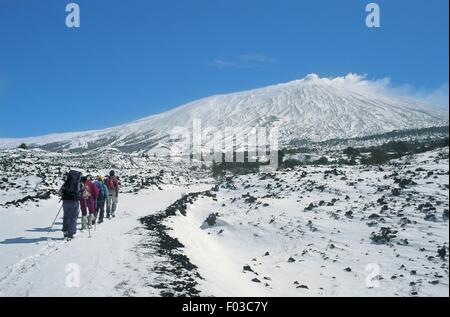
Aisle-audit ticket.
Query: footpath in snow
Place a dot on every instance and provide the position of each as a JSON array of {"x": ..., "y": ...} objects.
[{"x": 35, "y": 263}]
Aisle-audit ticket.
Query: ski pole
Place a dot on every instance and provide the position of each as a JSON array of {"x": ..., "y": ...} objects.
[{"x": 53, "y": 223}]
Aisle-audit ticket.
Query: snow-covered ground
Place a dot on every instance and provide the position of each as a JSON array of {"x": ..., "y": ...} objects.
[
  {"x": 35, "y": 263},
  {"x": 319, "y": 231},
  {"x": 307, "y": 231}
]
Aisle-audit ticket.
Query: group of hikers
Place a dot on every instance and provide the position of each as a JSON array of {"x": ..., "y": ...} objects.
[{"x": 89, "y": 195}]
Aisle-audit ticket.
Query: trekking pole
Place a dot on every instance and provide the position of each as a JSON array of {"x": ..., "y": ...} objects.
[{"x": 53, "y": 223}]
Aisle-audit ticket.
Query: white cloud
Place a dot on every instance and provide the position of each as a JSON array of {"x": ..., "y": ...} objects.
[
  {"x": 433, "y": 96},
  {"x": 242, "y": 61},
  {"x": 438, "y": 96},
  {"x": 226, "y": 64},
  {"x": 256, "y": 58}
]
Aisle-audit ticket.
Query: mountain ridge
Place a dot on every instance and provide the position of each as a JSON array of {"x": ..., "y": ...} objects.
[{"x": 312, "y": 108}]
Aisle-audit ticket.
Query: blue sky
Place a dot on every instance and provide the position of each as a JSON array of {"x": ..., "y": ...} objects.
[{"x": 134, "y": 58}]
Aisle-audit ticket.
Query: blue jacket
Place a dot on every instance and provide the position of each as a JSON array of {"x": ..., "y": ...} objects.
[{"x": 103, "y": 189}]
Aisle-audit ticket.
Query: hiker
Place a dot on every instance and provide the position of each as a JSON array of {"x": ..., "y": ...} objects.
[
  {"x": 103, "y": 195},
  {"x": 113, "y": 187},
  {"x": 89, "y": 195},
  {"x": 70, "y": 193}
]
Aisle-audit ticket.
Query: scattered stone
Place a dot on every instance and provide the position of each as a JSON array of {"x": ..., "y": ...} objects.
[
  {"x": 291, "y": 260},
  {"x": 442, "y": 252},
  {"x": 211, "y": 220},
  {"x": 247, "y": 268},
  {"x": 383, "y": 236}
]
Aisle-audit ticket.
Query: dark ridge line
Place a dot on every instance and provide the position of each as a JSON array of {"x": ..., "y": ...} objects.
[{"x": 180, "y": 267}]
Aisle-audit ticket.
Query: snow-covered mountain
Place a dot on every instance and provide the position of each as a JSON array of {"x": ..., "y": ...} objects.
[{"x": 312, "y": 108}]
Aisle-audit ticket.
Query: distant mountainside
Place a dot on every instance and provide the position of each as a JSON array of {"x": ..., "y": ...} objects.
[{"x": 310, "y": 109}]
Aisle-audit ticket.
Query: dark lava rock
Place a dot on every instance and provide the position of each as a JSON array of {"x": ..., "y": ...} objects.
[
  {"x": 311, "y": 226},
  {"x": 403, "y": 242},
  {"x": 403, "y": 182},
  {"x": 430, "y": 217},
  {"x": 442, "y": 252},
  {"x": 434, "y": 282},
  {"x": 249, "y": 199},
  {"x": 247, "y": 268},
  {"x": 383, "y": 236},
  {"x": 374, "y": 216},
  {"x": 211, "y": 220},
  {"x": 404, "y": 221},
  {"x": 310, "y": 207},
  {"x": 426, "y": 207}
]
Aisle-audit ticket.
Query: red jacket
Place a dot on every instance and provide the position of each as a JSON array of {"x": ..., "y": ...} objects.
[
  {"x": 90, "y": 202},
  {"x": 93, "y": 189}
]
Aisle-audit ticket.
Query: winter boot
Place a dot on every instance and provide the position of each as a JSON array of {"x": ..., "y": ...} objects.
[
  {"x": 84, "y": 222},
  {"x": 90, "y": 221},
  {"x": 70, "y": 237}
]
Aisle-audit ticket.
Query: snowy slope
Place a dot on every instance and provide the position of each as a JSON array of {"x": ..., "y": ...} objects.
[
  {"x": 35, "y": 263},
  {"x": 312, "y": 108},
  {"x": 318, "y": 231},
  {"x": 113, "y": 262},
  {"x": 307, "y": 231}
]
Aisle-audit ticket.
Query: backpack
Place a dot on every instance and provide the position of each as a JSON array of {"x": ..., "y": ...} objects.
[
  {"x": 102, "y": 191},
  {"x": 111, "y": 183},
  {"x": 71, "y": 190},
  {"x": 86, "y": 193}
]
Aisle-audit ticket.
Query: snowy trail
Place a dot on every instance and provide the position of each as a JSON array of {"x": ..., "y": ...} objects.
[{"x": 33, "y": 263}]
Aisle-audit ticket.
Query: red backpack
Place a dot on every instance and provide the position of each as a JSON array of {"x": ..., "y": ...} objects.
[{"x": 112, "y": 183}]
